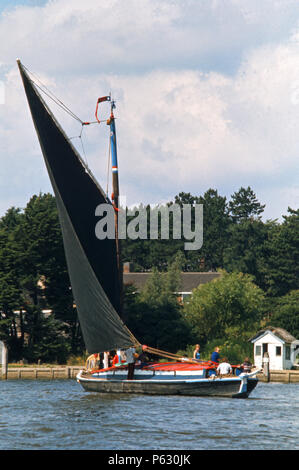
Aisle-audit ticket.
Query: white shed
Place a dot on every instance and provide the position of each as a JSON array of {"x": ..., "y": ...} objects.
[{"x": 280, "y": 345}]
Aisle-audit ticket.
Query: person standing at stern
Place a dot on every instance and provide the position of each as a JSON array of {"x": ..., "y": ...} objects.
[{"x": 130, "y": 356}]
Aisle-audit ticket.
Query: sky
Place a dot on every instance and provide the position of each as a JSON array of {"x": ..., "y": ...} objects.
[{"x": 207, "y": 95}]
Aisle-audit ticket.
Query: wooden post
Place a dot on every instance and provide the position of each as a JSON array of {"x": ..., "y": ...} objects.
[
  {"x": 4, "y": 361},
  {"x": 266, "y": 366}
]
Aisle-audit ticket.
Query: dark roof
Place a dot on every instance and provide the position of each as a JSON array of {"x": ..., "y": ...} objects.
[
  {"x": 189, "y": 281},
  {"x": 279, "y": 332}
]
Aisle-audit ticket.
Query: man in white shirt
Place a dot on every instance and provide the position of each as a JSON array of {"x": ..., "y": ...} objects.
[{"x": 224, "y": 367}]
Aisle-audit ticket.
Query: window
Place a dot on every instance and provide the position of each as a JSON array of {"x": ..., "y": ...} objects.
[
  {"x": 278, "y": 350},
  {"x": 258, "y": 350},
  {"x": 288, "y": 352}
]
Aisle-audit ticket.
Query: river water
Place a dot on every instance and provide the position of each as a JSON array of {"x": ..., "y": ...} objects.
[{"x": 60, "y": 415}]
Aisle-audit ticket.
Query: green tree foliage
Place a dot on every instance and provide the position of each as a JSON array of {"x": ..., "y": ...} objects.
[
  {"x": 45, "y": 279},
  {"x": 286, "y": 313},
  {"x": 281, "y": 263},
  {"x": 154, "y": 315},
  {"x": 244, "y": 205},
  {"x": 215, "y": 223},
  {"x": 246, "y": 251},
  {"x": 146, "y": 253},
  {"x": 47, "y": 341},
  {"x": 246, "y": 235},
  {"x": 227, "y": 307},
  {"x": 10, "y": 291},
  {"x": 234, "y": 348},
  {"x": 34, "y": 278},
  {"x": 267, "y": 250}
]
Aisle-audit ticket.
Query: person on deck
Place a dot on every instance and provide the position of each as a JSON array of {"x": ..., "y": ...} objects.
[
  {"x": 106, "y": 360},
  {"x": 247, "y": 365},
  {"x": 114, "y": 360},
  {"x": 142, "y": 359},
  {"x": 118, "y": 358},
  {"x": 196, "y": 353},
  {"x": 130, "y": 356},
  {"x": 224, "y": 367},
  {"x": 215, "y": 355}
]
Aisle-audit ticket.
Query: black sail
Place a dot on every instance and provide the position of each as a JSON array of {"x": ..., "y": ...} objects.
[{"x": 92, "y": 263}]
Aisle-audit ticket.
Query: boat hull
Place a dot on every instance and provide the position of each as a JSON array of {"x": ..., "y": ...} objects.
[{"x": 234, "y": 387}]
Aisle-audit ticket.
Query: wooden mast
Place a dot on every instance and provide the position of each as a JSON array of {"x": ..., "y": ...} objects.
[
  {"x": 115, "y": 199},
  {"x": 115, "y": 193}
]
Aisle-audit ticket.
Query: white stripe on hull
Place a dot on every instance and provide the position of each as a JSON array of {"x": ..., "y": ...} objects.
[{"x": 235, "y": 387}]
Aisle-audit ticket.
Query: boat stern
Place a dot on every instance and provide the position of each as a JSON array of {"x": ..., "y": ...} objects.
[{"x": 248, "y": 384}]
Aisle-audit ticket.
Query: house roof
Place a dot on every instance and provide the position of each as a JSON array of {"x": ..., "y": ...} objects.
[
  {"x": 189, "y": 281},
  {"x": 279, "y": 332}
]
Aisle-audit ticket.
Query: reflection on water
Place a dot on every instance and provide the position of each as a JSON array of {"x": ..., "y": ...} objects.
[{"x": 59, "y": 414}]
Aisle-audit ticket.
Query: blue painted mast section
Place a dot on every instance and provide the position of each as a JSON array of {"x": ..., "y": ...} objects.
[
  {"x": 115, "y": 194},
  {"x": 115, "y": 182},
  {"x": 115, "y": 185}
]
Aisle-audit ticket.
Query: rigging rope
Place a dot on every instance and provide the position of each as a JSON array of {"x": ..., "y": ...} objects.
[
  {"x": 83, "y": 149},
  {"x": 42, "y": 87},
  {"x": 169, "y": 355}
]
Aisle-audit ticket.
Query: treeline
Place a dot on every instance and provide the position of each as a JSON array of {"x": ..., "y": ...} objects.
[
  {"x": 34, "y": 279},
  {"x": 235, "y": 238},
  {"x": 259, "y": 285}
]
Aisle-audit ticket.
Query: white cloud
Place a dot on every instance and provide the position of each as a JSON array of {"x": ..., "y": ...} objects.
[
  {"x": 114, "y": 35},
  {"x": 187, "y": 118}
]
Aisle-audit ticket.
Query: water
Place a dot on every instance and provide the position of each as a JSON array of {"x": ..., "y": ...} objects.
[{"x": 60, "y": 415}]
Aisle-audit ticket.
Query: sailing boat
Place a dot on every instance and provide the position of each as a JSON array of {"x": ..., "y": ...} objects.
[{"x": 94, "y": 269}]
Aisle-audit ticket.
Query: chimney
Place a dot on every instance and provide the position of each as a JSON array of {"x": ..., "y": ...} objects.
[{"x": 128, "y": 267}]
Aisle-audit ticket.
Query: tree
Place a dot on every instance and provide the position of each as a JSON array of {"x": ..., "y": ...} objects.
[
  {"x": 226, "y": 307},
  {"x": 215, "y": 223},
  {"x": 46, "y": 280},
  {"x": 158, "y": 253},
  {"x": 286, "y": 313},
  {"x": 246, "y": 251},
  {"x": 281, "y": 261},
  {"x": 146, "y": 253},
  {"x": 10, "y": 290},
  {"x": 154, "y": 315},
  {"x": 34, "y": 278},
  {"x": 244, "y": 205},
  {"x": 46, "y": 338}
]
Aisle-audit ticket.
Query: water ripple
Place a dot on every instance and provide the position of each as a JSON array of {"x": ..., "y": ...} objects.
[{"x": 58, "y": 414}]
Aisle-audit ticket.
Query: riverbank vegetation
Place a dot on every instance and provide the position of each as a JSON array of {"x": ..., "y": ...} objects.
[{"x": 258, "y": 287}]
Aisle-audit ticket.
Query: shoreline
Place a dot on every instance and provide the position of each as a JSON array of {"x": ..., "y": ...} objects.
[{"x": 41, "y": 372}]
